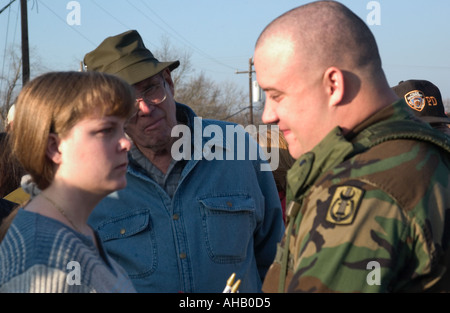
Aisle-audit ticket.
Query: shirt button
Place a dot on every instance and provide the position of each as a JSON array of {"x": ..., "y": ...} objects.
[
  {"x": 175, "y": 216},
  {"x": 122, "y": 231},
  {"x": 182, "y": 255}
]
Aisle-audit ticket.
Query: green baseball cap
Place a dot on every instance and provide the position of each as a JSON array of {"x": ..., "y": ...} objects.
[{"x": 126, "y": 56}]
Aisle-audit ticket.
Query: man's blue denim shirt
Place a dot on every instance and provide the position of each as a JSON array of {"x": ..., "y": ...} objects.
[{"x": 225, "y": 217}]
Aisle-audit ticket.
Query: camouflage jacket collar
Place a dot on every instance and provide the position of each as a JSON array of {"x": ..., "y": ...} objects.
[
  {"x": 330, "y": 152},
  {"x": 335, "y": 148}
]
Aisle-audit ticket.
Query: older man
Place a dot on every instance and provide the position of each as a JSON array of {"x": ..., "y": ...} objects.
[{"x": 194, "y": 211}]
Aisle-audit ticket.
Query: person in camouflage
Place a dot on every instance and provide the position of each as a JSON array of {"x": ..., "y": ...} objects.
[{"x": 368, "y": 194}]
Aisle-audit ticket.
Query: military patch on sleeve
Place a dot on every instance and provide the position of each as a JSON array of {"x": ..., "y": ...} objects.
[{"x": 344, "y": 205}]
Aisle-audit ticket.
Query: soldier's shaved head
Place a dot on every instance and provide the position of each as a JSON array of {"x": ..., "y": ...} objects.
[
  {"x": 326, "y": 33},
  {"x": 319, "y": 62}
]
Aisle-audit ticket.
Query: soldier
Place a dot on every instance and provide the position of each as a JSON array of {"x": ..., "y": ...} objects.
[{"x": 368, "y": 193}]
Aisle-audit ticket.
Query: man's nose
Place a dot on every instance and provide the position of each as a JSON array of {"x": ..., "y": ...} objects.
[
  {"x": 269, "y": 115},
  {"x": 145, "y": 106}
]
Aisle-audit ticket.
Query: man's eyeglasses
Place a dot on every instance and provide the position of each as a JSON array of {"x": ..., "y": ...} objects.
[{"x": 155, "y": 94}]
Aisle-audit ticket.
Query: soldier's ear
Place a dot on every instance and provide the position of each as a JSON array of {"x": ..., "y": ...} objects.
[{"x": 334, "y": 84}]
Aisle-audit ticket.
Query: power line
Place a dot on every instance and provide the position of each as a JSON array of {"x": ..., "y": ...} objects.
[
  {"x": 236, "y": 113},
  {"x": 3, "y": 75},
  {"x": 112, "y": 16},
  {"x": 198, "y": 50},
  {"x": 6, "y": 43},
  {"x": 115, "y": 18},
  {"x": 5, "y": 7},
  {"x": 65, "y": 23}
]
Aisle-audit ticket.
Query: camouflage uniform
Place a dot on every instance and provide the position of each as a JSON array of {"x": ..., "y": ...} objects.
[{"x": 369, "y": 211}]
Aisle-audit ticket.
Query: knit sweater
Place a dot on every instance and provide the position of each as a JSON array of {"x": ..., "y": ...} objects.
[{"x": 40, "y": 254}]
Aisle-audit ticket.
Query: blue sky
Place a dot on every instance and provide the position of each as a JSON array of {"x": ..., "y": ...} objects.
[{"x": 413, "y": 36}]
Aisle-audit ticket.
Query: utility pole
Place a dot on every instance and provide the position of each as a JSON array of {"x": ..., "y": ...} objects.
[
  {"x": 25, "y": 49},
  {"x": 250, "y": 92}
]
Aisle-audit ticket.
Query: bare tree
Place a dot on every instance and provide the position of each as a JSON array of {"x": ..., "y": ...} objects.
[
  {"x": 209, "y": 99},
  {"x": 168, "y": 53},
  {"x": 447, "y": 105},
  {"x": 206, "y": 97},
  {"x": 10, "y": 84},
  {"x": 11, "y": 81}
]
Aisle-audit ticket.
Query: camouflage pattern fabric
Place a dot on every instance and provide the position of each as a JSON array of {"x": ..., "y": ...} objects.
[{"x": 370, "y": 213}]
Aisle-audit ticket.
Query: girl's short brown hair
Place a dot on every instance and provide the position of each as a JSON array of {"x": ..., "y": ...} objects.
[{"x": 53, "y": 103}]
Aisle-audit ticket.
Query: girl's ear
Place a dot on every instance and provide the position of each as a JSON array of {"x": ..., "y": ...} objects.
[{"x": 53, "y": 148}]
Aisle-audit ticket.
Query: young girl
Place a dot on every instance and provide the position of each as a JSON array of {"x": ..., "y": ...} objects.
[{"x": 69, "y": 136}]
